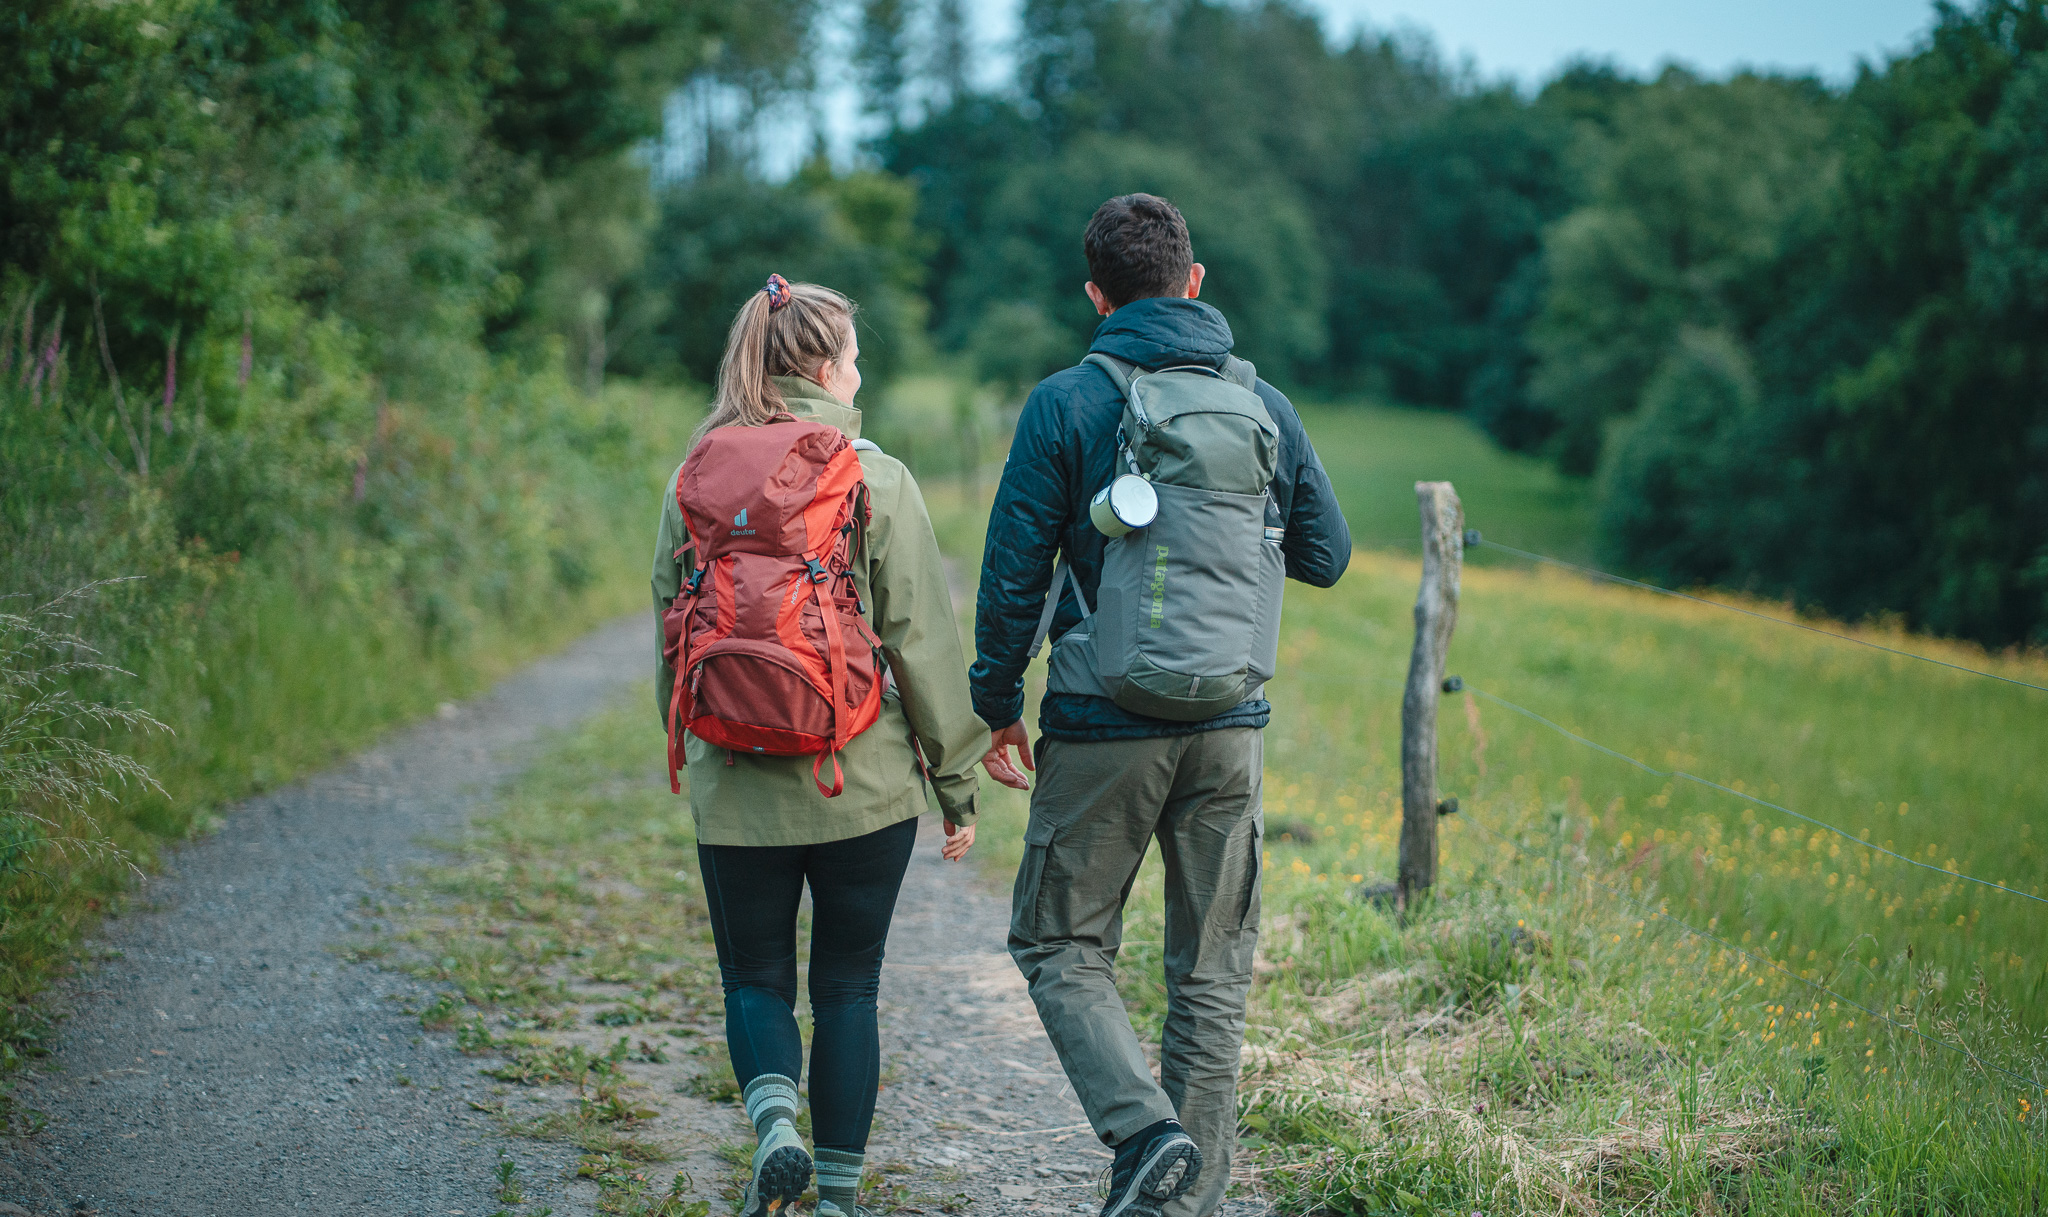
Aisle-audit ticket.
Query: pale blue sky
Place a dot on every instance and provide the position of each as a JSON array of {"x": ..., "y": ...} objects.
[{"x": 1524, "y": 40}]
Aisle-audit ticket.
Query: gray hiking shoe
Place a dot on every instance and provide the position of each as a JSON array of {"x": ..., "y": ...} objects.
[
  {"x": 782, "y": 1172},
  {"x": 1145, "y": 1177}
]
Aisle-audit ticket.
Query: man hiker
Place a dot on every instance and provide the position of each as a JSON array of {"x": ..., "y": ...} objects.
[{"x": 1175, "y": 489}]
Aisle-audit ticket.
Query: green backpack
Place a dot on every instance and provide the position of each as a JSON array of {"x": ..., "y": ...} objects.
[{"x": 1187, "y": 620}]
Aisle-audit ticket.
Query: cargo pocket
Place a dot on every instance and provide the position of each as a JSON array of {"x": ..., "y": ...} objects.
[
  {"x": 1248, "y": 908},
  {"x": 1027, "y": 900}
]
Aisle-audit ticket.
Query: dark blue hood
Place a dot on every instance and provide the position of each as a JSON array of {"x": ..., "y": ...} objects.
[{"x": 1164, "y": 329}]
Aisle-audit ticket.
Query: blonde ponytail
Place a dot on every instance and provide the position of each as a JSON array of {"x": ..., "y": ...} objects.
[{"x": 811, "y": 326}]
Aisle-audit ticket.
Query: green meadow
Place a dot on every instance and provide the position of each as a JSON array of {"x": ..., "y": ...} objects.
[{"x": 1546, "y": 1037}]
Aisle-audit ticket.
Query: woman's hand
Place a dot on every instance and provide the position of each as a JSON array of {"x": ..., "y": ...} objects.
[{"x": 959, "y": 839}]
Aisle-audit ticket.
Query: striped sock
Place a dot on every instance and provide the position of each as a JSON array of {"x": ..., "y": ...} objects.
[
  {"x": 839, "y": 1178},
  {"x": 770, "y": 1097}
]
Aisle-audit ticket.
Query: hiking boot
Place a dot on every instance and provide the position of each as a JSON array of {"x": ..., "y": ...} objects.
[
  {"x": 1157, "y": 1165},
  {"x": 782, "y": 1172},
  {"x": 828, "y": 1209}
]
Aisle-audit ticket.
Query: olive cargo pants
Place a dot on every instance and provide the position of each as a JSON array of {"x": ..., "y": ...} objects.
[{"x": 1096, "y": 809}]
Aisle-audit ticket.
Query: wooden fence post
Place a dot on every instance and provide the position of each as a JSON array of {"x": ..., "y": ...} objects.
[{"x": 1436, "y": 615}]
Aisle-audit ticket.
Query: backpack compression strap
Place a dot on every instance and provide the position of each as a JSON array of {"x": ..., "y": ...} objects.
[
  {"x": 678, "y": 759},
  {"x": 1060, "y": 575},
  {"x": 678, "y": 754},
  {"x": 822, "y": 578},
  {"x": 835, "y": 643}
]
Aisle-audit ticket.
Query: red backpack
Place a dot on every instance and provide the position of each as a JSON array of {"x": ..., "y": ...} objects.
[{"x": 771, "y": 649}]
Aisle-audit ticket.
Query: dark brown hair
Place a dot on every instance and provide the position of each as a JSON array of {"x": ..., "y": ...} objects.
[
  {"x": 1138, "y": 248},
  {"x": 814, "y": 327}
]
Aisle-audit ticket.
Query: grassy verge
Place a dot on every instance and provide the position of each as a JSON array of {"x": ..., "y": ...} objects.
[
  {"x": 458, "y": 545},
  {"x": 1542, "y": 1039}
]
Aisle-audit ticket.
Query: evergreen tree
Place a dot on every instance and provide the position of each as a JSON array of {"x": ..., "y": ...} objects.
[{"x": 882, "y": 56}]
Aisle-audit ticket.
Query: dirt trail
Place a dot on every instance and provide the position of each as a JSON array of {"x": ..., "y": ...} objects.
[{"x": 226, "y": 1062}]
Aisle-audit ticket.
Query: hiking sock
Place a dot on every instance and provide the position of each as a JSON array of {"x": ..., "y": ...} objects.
[
  {"x": 839, "y": 1178},
  {"x": 770, "y": 1097}
]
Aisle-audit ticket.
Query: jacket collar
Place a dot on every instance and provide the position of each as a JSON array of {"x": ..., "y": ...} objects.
[
  {"x": 1164, "y": 330},
  {"x": 807, "y": 399}
]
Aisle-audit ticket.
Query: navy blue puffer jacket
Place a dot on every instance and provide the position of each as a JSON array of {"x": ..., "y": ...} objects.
[{"x": 1063, "y": 452}]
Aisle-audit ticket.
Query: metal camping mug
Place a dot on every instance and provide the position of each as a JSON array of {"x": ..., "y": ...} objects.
[{"x": 1124, "y": 505}]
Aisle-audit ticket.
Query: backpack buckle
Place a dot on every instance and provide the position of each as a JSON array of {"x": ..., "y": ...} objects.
[
  {"x": 696, "y": 582},
  {"x": 818, "y": 573}
]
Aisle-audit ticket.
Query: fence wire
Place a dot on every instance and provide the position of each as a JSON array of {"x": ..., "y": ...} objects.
[{"x": 1592, "y": 573}]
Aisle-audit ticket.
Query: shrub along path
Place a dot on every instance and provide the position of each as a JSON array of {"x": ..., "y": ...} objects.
[{"x": 220, "y": 1059}]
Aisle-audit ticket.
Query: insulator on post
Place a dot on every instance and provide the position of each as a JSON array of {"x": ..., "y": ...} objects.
[
  {"x": 1454, "y": 684},
  {"x": 1447, "y": 807},
  {"x": 1471, "y": 537}
]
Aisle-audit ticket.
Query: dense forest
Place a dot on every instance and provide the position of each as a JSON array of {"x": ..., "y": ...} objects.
[
  {"x": 1791, "y": 329},
  {"x": 1795, "y": 331}
]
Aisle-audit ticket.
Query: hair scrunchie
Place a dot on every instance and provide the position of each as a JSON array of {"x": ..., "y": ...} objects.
[{"x": 778, "y": 292}]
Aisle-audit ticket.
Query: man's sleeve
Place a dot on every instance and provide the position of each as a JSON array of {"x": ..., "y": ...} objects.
[
  {"x": 1024, "y": 528},
  {"x": 1318, "y": 543}
]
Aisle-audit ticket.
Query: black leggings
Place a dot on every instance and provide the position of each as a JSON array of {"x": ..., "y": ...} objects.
[{"x": 753, "y": 892}]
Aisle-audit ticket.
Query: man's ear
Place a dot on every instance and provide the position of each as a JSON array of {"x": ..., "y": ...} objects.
[
  {"x": 1103, "y": 307},
  {"x": 1195, "y": 274}
]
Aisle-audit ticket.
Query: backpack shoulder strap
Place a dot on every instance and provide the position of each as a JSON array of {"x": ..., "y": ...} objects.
[
  {"x": 1241, "y": 371},
  {"x": 1119, "y": 371}
]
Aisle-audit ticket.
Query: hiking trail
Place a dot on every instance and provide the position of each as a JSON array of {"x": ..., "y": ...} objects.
[{"x": 222, "y": 1058}]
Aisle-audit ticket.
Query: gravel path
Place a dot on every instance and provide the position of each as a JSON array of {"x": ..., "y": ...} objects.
[{"x": 225, "y": 1062}]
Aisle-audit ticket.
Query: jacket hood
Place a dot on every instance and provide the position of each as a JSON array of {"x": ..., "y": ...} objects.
[
  {"x": 807, "y": 399},
  {"x": 1163, "y": 330}
]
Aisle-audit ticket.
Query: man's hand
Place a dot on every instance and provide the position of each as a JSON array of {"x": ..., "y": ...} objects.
[
  {"x": 959, "y": 839},
  {"x": 997, "y": 760}
]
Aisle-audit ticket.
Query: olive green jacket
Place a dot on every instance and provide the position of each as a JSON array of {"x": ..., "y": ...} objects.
[{"x": 740, "y": 799}]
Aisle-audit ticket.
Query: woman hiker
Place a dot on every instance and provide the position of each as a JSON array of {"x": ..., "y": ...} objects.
[{"x": 823, "y": 682}]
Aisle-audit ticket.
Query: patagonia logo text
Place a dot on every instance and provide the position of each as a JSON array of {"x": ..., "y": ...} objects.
[{"x": 1158, "y": 585}]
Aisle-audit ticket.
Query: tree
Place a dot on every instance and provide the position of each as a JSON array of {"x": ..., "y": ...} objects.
[
  {"x": 1892, "y": 455},
  {"x": 952, "y": 51},
  {"x": 882, "y": 55},
  {"x": 1690, "y": 196}
]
